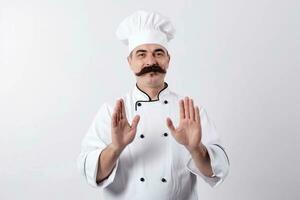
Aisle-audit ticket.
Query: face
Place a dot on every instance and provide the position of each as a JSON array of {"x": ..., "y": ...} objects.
[{"x": 146, "y": 55}]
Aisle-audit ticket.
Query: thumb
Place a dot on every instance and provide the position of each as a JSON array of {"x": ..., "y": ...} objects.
[
  {"x": 135, "y": 121},
  {"x": 170, "y": 125}
]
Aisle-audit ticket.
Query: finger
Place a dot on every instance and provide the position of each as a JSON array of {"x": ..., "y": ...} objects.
[
  {"x": 181, "y": 107},
  {"x": 123, "y": 110},
  {"x": 186, "y": 107},
  {"x": 119, "y": 110},
  {"x": 114, "y": 119},
  {"x": 197, "y": 114},
  {"x": 135, "y": 121},
  {"x": 115, "y": 115},
  {"x": 116, "y": 111},
  {"x": 170, "y": 125},
  {"x": 191, "y": 109}
]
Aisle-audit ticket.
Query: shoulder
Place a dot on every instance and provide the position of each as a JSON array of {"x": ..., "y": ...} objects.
[
  {"x": 107, "y": 107},
  {"x": 104, "y": 111}
]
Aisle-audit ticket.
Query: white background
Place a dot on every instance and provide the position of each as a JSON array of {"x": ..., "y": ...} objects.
[{"x": 60, "y": 60}]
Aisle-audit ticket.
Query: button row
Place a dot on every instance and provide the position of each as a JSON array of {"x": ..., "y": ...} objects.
[
  {"x": 162, "y": 180},
  {"x": 143, "y": 136}
]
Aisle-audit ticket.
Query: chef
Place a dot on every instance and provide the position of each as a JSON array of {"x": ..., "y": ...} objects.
[{"x": 152, "y": 143}]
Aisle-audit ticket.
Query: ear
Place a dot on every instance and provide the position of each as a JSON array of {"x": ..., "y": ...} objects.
[
  {"x": 129, "y": 60},
  {"x": 169, "y": 58}
]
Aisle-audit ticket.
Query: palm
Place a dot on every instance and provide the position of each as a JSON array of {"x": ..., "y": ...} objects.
[
  {"x": 122, "y": 132},
  {"x": 188, "y": 132}
]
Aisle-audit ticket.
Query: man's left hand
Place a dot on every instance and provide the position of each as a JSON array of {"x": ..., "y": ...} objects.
[{"x": 188, "y": 133}]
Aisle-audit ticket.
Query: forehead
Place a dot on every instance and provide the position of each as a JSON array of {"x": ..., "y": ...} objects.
[{"x": 149, "y": 47}]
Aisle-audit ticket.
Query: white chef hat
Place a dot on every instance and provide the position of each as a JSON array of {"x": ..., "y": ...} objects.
[{"x": 144, "y": 27}]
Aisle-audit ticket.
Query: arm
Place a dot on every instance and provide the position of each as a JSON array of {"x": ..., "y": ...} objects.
[
  {"x": 106, "y": 162},
  {"x": 202, "y": 160},
  {"x": 189, "y": 134},
  {"x": 97, "y": 160},
  {"x": 208, "y": 161},
  {"x": 122, "y": 134}
]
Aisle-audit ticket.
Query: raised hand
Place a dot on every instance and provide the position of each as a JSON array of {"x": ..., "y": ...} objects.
[
  {"x": 188, "y": 132},
  {"x": 122, "y": 132}
]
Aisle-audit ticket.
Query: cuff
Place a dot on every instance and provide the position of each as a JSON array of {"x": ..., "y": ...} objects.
[
  {"x": 219, "y": 167},
  {"x": 91, "y": 168}
]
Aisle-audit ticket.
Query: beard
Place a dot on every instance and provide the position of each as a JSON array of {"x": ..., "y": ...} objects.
[{"x": 152, "y": 68}]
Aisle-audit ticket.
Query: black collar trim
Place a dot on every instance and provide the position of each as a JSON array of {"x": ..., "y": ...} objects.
[{"x": 150, "y": 100}]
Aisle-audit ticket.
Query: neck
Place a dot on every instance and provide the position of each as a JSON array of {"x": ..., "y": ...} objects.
[{"x": 151, "y": 91}]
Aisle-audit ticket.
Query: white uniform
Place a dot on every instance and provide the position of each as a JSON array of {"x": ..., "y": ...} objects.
[{"x": 154, "y": 165}]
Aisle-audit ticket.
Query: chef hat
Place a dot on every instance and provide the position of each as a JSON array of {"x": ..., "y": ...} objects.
[{"x": 143, "y": 27}]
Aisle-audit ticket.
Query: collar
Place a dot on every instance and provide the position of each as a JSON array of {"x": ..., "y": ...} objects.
[{"x": 140, "y": 95}]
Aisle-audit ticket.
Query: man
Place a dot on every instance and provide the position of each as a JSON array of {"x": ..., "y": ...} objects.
[{"x": 135, "y": 150}]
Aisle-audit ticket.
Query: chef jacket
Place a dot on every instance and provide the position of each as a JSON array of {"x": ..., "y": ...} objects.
[{"x": 154, "y": 165}]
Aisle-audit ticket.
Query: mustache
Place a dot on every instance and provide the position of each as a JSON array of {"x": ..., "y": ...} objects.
[{"x": 152, "y": 68}]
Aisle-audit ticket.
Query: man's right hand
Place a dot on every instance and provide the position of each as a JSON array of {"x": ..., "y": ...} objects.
[{"x": 122, "y": 132}]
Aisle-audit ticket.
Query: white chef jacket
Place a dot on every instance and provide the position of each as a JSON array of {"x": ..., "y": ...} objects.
[{"x": 154, "y": 165}]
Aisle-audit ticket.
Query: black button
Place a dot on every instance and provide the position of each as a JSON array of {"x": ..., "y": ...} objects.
[
  {"x": 163, "y": 180},
  {"x": 165, "y": 134},
  {"x": 139, "y": 104},
  {"x": 165, "y": 101},
  {"x": 142, "y": 136},
  {"x": 142, "y": 179}
]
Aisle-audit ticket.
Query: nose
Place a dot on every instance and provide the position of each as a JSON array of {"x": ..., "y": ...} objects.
[{"x": 150, "y": 60}]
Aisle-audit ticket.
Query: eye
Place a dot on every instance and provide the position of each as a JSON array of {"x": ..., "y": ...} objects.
[
  {"x": 159, "y": 54},
  {"x": 140, "y": 55}
]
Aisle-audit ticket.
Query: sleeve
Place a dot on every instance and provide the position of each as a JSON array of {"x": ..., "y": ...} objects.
[
  {"x": 95, "y": 141},
  {"x": 218, "y": 158}
]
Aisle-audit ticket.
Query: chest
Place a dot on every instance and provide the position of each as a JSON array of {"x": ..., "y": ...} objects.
[
  {"x": 153, "y": 163},
  {"x": 154, "y": 151}
]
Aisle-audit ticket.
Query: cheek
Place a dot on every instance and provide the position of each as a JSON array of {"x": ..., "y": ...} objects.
[
  {"x": 164, "y": 64},
  {"x": 136, "y": 68}
]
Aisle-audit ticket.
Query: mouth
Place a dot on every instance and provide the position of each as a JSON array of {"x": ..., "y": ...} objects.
[{"x": 153, "y": 73}]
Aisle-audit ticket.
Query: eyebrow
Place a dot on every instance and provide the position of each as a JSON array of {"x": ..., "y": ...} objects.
[
  {"x": 140, "y": 50},
  {"x": 159, "y": 50},
  {"x": 156, "y": 50}
]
